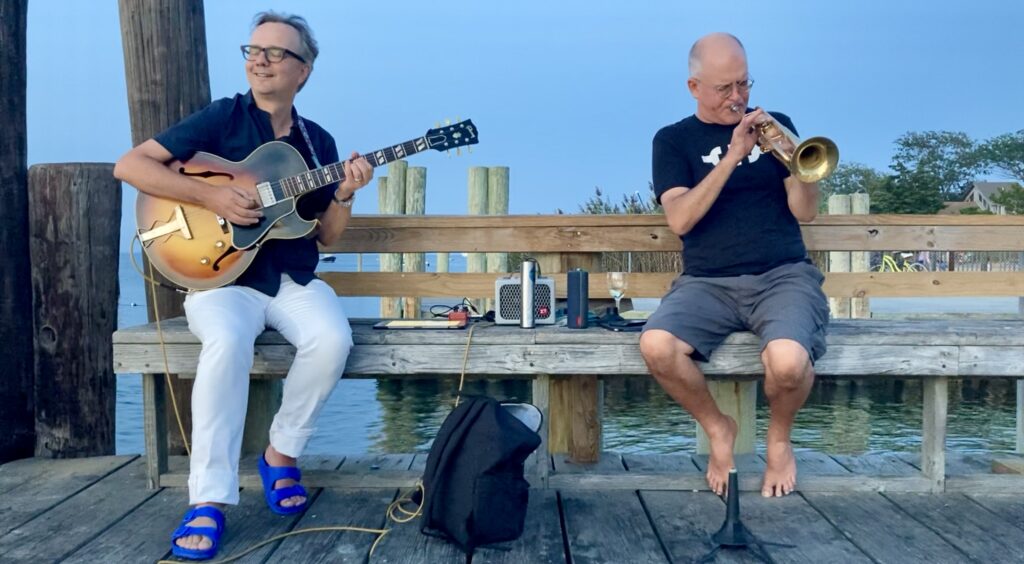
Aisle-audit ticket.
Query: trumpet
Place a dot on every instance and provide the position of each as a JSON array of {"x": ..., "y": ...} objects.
[{"x": 809, "y": 161}]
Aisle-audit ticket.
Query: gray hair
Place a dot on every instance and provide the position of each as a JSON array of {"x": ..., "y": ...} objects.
[
  {"x": 309, "y": 48},
  {"x": 697, "y": 51}
]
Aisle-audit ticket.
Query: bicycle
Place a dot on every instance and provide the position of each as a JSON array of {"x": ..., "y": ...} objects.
[{"x": 889, "y": 264}]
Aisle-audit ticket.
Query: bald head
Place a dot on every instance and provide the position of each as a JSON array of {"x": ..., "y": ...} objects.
[{"x": 715, "y": 47}]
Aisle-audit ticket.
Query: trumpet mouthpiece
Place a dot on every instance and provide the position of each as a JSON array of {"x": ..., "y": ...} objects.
[{"x": 736, "y": 108}]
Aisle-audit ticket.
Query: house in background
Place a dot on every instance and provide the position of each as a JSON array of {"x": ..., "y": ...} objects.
[{"x": 981, "y": 193}]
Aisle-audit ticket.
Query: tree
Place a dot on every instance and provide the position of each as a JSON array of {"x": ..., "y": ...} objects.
[
  {"x": 950, "y": 158},
  {"x": 1005, "y": 153},
  {"x": 908, "y": 191},
  {"x": 1011, "y": 197},
  {"x": 850, "y": 178}
]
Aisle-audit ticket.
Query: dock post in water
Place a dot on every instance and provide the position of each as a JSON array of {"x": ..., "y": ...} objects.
[
  {"x": 860, "y": 261},
  {"x": 74, "y": 226},
  {"x": 477, "y": 205},
  {"x": 415, "y": 204},
  {"x": 497, "y": 204},
  {"x": 164, "y": 86},
  {"x": 16, "y": 417},
  {"x": 839, "y": 261},
  {"x": 394, "y": 204}
]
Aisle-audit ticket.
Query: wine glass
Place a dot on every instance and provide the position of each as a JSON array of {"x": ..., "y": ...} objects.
[{"x": 617, "y": 284}]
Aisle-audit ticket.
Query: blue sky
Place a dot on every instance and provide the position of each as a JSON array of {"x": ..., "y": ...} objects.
[{"x": 568, "y": 94}]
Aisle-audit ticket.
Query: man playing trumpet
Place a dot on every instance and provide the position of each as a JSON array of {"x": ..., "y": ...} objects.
[{"x": 737, "y": 211}]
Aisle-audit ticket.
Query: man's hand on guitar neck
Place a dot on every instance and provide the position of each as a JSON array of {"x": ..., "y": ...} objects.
[
  {"x": 358, "y": 174},
  {"x": 234, "y": 203}
]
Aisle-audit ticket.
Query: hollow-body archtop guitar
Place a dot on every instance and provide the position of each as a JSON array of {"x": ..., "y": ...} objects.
[{"x": 196, "y": 249}]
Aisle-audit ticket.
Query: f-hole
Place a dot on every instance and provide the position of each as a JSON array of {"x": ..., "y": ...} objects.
[{"x": 206, "y": 174}]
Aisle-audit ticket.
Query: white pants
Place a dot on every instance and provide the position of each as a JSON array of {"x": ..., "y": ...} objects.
[{"x": 227, "y": 322}]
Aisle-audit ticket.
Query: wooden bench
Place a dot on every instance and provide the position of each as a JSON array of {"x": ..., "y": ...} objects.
[{"x": 566, "y": 364}]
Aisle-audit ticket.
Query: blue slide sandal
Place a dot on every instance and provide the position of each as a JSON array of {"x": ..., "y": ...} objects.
[
  {"x": 270, "y": 474},
  {"x": 213, "y": 533}
]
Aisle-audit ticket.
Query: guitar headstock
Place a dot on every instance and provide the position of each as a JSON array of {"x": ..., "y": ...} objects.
[{"x": 452, "y": 136}]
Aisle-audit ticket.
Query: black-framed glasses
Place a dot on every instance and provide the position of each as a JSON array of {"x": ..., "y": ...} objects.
[
  {"x": 274, "y": 54},
  {"x": 741, "y": 86}
]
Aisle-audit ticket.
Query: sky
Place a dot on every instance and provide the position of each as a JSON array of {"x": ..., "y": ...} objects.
[{"x": 568, "y": 94}]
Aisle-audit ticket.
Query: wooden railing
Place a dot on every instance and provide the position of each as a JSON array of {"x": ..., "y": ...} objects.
[{"x": 646, "y": 233}]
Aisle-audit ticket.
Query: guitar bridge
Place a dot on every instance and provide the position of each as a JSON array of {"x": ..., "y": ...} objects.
[{"x": 178, "y": 224}]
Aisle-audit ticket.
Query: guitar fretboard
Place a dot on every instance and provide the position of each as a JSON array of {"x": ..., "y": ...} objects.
[{"x": 308, "y": 181}]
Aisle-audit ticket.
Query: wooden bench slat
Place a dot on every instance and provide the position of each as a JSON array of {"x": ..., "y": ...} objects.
[
  {"x": 866, "y": 332},
  {"x": 856, "y": 348}
]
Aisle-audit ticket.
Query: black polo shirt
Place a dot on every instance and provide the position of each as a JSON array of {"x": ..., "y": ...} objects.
[
  {"x": 232, "y": 128},
  {"x": 749, "y": 229}
]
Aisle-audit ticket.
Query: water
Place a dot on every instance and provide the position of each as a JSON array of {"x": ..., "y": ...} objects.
[{"x": 840, "y": 417}]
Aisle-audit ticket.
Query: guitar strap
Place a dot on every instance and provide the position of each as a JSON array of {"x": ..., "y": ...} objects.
[{"x": 305, "y": 135}]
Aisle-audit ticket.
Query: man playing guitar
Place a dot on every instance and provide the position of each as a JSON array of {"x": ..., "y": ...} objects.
[{"x": 279, "y": 289}]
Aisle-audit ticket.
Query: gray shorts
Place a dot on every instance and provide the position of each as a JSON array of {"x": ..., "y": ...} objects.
[{"x": 784, "y": 303}]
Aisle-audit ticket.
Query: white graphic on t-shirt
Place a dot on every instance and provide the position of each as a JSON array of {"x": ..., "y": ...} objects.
[
  {"x": 755, "y": 154},
  {"x": 712, "y": 157},
  {"x": 715, "y": 154}
]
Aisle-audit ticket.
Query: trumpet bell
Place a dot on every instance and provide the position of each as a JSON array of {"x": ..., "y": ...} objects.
[
  {"x": 814, "y": 159},
  {"x": 809, "y": 161}
]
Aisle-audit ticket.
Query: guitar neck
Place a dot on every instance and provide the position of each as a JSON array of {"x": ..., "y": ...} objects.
[{"x": 335, "y": 172}]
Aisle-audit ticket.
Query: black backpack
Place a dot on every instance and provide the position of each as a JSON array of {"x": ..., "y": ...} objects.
[{"x": 474, "y": 492}]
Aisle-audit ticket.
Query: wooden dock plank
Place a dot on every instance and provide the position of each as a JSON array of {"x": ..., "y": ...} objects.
[
  {"x": 405, "y": 544},
  {"x": 33, "y": 485},
  {"x": 660, "y": 463},
  {"x": 791, "y": 520},
  {"x": 877, "y": 464},
  {"x": 63, "y": 528},
  {"x": 142, "y": 535},
  {"x": 684, "y": 523},
  {"x": 252, "y": 522},
  {"x": 355, "y": 508},
  {"x": 610, "y": 527},
  {"x": 957, "y": 463},
  {"x": 882, "y": 530},
  {"x": 541, "y": 542},
  {"x": 814, "y": 463},
  {"x": 608, "y": 463},
  {"x": 1009, "y": 507},
  {"x": 976, "y": 531},
  {"x": 746, "y": 464}
]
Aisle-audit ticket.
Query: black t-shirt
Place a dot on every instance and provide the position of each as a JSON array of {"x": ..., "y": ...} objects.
[
  {"x": 231, "y": 128},
  {"x": 749, "y": 229}
]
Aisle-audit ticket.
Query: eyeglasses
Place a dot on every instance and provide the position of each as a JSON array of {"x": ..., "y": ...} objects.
[
  {"x": 274, "y": 54},
  {"x": 725, "y": 90}
]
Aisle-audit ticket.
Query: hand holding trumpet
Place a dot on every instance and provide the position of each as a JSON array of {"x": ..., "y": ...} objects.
[
  {"x": 744, "y": 135},
  {"x": 809, "y": 161}
]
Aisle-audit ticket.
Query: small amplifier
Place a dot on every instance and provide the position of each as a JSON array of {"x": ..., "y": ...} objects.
[{"x": 508, "y": 297}]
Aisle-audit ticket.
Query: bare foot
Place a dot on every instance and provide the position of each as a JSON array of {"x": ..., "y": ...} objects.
[
  {"x": 780, "y": 473},
  {"x": 721, "y": 439},
  {"x": 199, "y": 542},
  {"x": 275, "y": 458}
]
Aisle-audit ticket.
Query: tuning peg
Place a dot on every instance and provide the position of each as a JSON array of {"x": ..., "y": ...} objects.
[
  {"x": 469, "y": 150},
  {"x": 447, "y": 122},
  {"x": 458, "y": 119},
  {"x": 458, "y": 151},
  {"x": 437, "y": 124}
]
